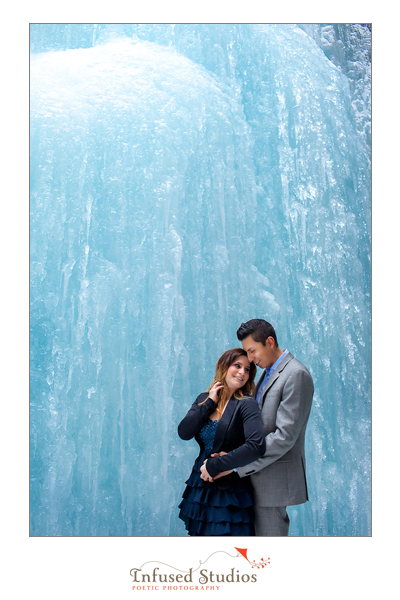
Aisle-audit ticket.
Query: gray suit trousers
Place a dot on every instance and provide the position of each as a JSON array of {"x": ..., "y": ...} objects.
[{"x": 271, "y": 521}]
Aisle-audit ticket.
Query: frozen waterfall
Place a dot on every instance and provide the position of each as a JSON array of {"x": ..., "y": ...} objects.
[{"x": 185, "y": 179}]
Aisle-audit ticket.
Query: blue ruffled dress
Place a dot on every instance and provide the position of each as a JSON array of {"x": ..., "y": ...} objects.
[{"x": 208, "y": 510}]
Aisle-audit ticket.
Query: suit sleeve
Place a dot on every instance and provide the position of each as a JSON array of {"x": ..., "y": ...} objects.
[
  {"x": 196, "y": 417},
  {"x": 292, "y": 413},
  {"x": 253, "y": 447}
]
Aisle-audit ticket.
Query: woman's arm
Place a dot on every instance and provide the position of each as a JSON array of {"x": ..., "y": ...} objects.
[
  {"x": 196, "y": 417},
  {"x": 253, "y": 447}
]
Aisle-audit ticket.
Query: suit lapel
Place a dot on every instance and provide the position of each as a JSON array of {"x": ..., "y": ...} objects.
[
  {"x": 224, "y": 424},
  {"x": 271, "y": 380},
  {"x": 275, "y": 376},
  {"x": 259, "y": 381}
]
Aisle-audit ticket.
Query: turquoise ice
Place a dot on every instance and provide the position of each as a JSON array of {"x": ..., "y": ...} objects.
[{"x": 185, "y": 179}]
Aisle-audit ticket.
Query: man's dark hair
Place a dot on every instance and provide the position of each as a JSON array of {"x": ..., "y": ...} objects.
[{"x": 259, "y": 330}]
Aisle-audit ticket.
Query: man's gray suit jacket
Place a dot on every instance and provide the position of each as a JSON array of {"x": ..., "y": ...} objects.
[{"x": 279, "y": 477}]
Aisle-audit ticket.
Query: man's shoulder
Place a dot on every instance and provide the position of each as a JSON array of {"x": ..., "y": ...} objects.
[
  {"x": 293, "y": 365},
  {"x": 294, "y": 362}
]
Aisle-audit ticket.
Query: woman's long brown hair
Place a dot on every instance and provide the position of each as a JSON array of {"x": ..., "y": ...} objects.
[{"x": 223, "y": 364}]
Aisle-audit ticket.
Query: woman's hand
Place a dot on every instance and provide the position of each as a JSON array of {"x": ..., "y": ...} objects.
[
  {"x": 204, "y": 474},
  {"x": 213, "y": 393}
]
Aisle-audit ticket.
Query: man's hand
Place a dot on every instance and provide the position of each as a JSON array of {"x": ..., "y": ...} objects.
[{"x": 222, "y": 474}]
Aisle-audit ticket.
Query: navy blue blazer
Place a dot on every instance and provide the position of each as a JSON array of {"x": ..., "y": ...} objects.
[{"x": 239, "y": 432}]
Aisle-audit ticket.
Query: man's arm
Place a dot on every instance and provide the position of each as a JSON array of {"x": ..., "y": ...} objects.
[{"x": 292, "y": 413}]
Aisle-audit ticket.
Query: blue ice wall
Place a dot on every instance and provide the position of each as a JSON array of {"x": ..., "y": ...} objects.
[{"x": 185, "y": 179}]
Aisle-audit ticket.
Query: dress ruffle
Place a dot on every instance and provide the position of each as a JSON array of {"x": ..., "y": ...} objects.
[{"x": 208, "y": 510}]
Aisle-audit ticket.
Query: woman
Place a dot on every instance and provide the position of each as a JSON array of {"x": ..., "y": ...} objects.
[{"x": 226, "y": 423}]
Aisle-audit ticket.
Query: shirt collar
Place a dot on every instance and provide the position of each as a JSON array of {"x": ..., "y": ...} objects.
[{"x": 276, "y": 363}]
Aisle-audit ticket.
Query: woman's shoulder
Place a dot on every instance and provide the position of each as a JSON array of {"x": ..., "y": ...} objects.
[
  {"x": 248, "y": 398},
  {"x": 248, "y": 403},
  {"x": 202, "y": 397}
]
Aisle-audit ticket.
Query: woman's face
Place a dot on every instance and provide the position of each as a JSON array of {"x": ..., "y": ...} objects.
[{"x": 238, "y": 373}]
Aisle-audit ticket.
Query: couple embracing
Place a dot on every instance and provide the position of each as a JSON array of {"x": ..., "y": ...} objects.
[{"x": 251, "y": 464}]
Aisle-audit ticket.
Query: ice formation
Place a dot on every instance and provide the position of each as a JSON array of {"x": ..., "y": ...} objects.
[{"x": 185, "y": 179}]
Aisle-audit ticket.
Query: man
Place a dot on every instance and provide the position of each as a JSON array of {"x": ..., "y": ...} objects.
[{"x": 284, "y": 393}]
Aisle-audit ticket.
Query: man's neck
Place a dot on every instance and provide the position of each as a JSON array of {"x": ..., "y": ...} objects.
[{"x": 277, "y": 353}]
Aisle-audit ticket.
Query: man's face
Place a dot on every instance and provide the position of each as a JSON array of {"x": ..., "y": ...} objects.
[{"x": 262, "y": 356}]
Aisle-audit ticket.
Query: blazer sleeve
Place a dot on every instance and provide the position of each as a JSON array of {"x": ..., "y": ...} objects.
[
  {"x": 253, "y": 447},
  {"x": 196, "y": 417},
  {"x": 292, "y": 413}
]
